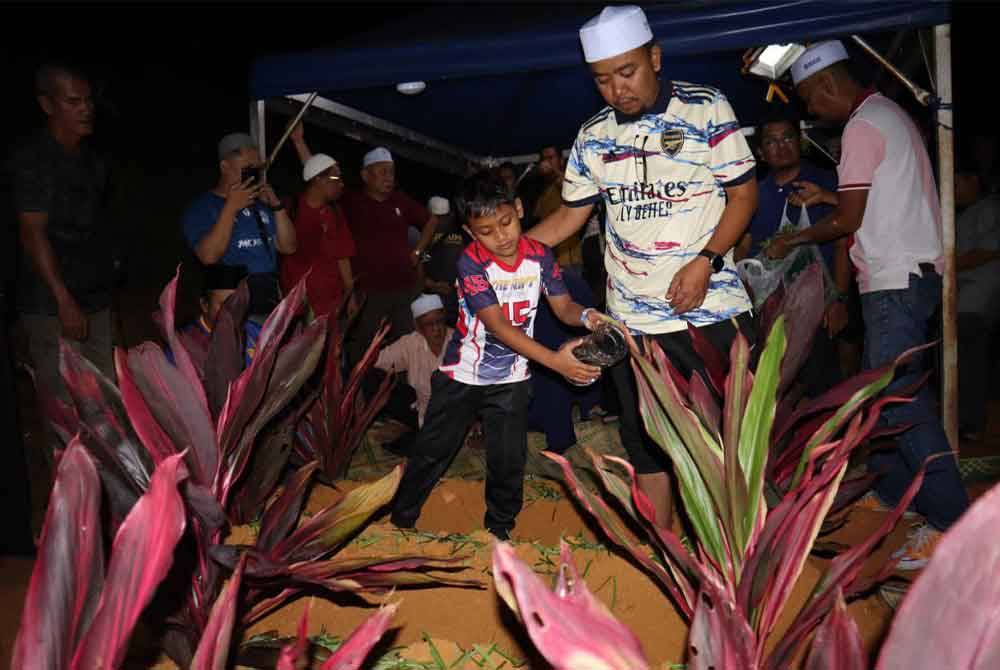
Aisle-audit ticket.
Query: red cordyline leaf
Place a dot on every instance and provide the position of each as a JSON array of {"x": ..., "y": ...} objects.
[
  {"x": 842, "y": 574},
  {"x": 720, "y": 637},
  {"x": 569, "y": 626},
  {"x": 156, "y": 441},
  {"x": 714, "y": 360},
  {"x": 680, "y": 590},
  {"x": 705, "y": 406},
  {"x": 837, "y": 644},
  {"x": 246, "y": 393},
  {"x": 293, "y": 654},
  {"x": 141, "y": 555},
  {"x": 294, "y": 363},
  {"x": 213, "y": 650},
  {"x": 951, "y": 616},
  {"x": 226, "y": 354},
  {"x": 69, "y": 571},
  {"x": 352, "y": 653},
  {"x": 280, "y": 516},
  {"x": 168, "y": 302},
  {"x": 803, "y": 309},
  {"x": 177, "y": 410}
]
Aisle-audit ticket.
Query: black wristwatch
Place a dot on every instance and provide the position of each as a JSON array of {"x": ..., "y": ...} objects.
[{"x": 717, "y": 261}]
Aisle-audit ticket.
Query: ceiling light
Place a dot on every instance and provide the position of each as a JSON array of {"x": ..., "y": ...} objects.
[
  {"x": 411, "y": 87},
  {"x": 774, "y": 60}
]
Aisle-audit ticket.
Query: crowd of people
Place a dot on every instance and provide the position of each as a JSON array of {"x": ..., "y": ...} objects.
[{"x": 651, "y": 235}]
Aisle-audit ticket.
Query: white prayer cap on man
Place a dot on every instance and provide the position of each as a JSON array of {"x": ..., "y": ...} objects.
[
  {"x": 614, "y": 31},
  {"x": 317, "y": 164},
  {"x": 376, "y": 155},
  {"x": 439, "y": 206},
  {"x": 817, "y": 57},
  {"x": 428, "y": 302}
]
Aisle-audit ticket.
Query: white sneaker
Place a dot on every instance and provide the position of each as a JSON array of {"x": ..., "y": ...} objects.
[{"x": 922, "y": 542}]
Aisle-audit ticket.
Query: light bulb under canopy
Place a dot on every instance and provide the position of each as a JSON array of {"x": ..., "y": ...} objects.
[{"x": 411, "y": 87}]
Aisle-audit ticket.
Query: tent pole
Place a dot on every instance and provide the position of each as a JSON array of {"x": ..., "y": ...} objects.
[
  {"x": 946, "y": 178},
  {"x": 291, "y": 125}
]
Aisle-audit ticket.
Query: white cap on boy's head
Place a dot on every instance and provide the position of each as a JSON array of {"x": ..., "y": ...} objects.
[
  {"x": 428, "y": 302},
  {"x": 614, "y": 31},
  {"x": 376, "y": 155},
  {"x": 817, "y": 57}
]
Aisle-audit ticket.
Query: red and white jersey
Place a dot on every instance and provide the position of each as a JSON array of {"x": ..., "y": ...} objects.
[{"x": 474, "y": 355}]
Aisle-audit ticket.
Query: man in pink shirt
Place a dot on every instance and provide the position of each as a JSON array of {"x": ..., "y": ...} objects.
[{"x": 888, "y": 201}]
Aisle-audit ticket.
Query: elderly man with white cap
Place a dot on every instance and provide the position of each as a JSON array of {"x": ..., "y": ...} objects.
[
  {"x": 385, "y": 265},
  {"x": 677, "y": 180},
  {"x": 888, "y": 201},
  {"x": 418, "y": 354},
  {"x": 325, "y": 242}
]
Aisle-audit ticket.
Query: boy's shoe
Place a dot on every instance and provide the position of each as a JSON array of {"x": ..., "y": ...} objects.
[
  {"x": 501, "y": 534},
  {"x": 872, "y": 503},
  {"x": 913, "y": 555}
]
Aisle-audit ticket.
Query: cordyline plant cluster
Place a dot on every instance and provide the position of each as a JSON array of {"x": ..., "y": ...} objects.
[
  {"x": 183, "y": 454},
  {"x": 735, "y": 582}
]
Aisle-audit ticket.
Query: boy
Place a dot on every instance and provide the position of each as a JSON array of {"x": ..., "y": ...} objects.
[{"x": 501, "y": 276}]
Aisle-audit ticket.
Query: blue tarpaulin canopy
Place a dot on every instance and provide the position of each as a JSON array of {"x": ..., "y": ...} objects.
[{"x": 507, "y": 81}]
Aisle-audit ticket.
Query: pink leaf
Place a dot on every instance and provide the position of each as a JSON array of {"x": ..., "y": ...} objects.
[
  {"x": 69, "y": 571},
  {"x": 168, "y": 302},
  {"x": 951, "y": 616},
  {"x": 141, "y": 555},
  {"x": 213, "y": 650},
  {"x": 720, "y": 637},
  {"x": 153, "y": 437},
  {"x": 570, "y": 627},
  {"x": 352, "y": 653},
  {"x": 293, "y": 654},
  {"x": 838, "y": 645}
]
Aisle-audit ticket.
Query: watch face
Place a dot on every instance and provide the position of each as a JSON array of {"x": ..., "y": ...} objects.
[{"x": 718, "y": 262}]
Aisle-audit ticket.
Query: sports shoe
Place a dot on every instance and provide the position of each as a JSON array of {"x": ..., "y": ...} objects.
[
  {"x": 872, "y": 503},
  {"x": 913, "y": 555}
]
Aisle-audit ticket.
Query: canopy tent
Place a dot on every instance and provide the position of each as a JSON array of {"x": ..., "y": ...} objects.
[
  {"x": 506, "y": 83},
  {"x": 502, "y": 85}
]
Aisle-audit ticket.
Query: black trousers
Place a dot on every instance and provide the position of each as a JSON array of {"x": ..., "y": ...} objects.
[
  {"x": 643, "y": 453},
  {"x": 452, "y": 409}
]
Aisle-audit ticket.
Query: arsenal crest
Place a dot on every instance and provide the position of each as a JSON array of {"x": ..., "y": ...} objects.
[{"x": 671, "y": 141}]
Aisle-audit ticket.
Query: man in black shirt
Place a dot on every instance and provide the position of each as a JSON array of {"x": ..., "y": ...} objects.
[
  {"x": 441, "y": 269},
  {"x": 66, "y": 271}
]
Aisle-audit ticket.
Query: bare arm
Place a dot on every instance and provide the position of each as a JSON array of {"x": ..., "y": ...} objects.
[
  {"x": 36, "y": 245},
  {"x": 285, "y": 241},
  {"x": 844, "y": 220},
  {"x": 298, "y": 138},
  {"x": 560, "y": 224},
  {"x": 690, "y": 283},
  {"x": 841, "y": 266},
  {"x": 562, "y": 361},
  {"x": 742, "y": 249},
  {"x": 569, "y": 312},
  {"x": 426, "y": 235}
]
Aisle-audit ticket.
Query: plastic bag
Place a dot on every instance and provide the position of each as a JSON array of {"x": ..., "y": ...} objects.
[{"x": 763, "y": 275}]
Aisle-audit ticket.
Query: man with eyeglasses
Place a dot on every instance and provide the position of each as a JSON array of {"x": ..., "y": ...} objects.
[
  {"x": 325, "y": 244},
  {"x": 242, "y": 222},
  {"x": 780, "y": 195}
]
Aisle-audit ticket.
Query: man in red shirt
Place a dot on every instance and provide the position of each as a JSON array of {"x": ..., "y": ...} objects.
[
  {"x": 385, "y": 266},
  {"x": 325, "y": 242}
]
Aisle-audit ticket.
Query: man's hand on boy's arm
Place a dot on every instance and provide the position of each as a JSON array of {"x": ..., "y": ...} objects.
[
  {"x": 562, "y": 361},
  {"x": 572, "y": 314}
]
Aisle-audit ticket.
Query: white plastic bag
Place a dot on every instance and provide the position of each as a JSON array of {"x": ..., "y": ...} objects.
[{"x": 763, "y": 275}]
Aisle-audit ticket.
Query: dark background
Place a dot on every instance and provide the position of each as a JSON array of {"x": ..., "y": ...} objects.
[{"x": 171, "y": 80}]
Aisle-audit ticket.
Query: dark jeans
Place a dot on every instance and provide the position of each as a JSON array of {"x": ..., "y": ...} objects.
[
  {"x": 452, "y": 409},
  {"x": 975, "y": 369},
  {"x": 644, "y": 454},
  {"x": 895, "y": 321}
]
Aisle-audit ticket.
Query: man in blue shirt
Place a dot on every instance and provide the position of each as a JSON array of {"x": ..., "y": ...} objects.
[
  {"x": 242, "y": 222},
  {"x": 790, "y": 183}
]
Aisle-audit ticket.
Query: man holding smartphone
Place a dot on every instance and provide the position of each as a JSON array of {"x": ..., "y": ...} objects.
[{"x": 241, "y": 222}]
